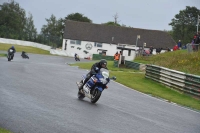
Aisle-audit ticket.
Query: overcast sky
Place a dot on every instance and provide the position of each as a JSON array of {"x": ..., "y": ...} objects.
[{"x": 145, "y": 14}]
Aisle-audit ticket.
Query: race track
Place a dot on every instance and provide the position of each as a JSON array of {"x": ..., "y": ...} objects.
[{"x": 39, "y": 95}]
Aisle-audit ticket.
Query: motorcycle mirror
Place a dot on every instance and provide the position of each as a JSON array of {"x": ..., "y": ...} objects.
[{"x": 113, "y": 78}]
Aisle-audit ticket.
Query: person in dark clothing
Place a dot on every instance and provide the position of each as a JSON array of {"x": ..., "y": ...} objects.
[
  {"x": 197, "y": 41},
  {"x": 179, "y": 44},
  {"x": 94, "y": 69},
  {"x": 24, "y": 55},
  {"x": 151, "y": 50},
  {"x": 76, "y": 57},
  {"x": 13, "y": 48}
]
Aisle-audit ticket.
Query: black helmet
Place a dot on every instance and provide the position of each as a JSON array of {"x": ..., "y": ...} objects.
[{"x": 103, "y": 63}]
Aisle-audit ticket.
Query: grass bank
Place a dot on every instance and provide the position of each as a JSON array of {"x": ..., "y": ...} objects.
[
  {"x": 28, "y": 49},
  {"x": 137, "y": 81},
  {"x": 179, "y": 60},
  {"x": 4, "y": 131}
]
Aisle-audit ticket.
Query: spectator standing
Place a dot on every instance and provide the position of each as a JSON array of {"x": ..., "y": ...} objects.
[
  {"x": 116, "y": 56},
  {"x": 151, "y": 50},
  {"x": 179, "y": 44},
  {"x": 197, "y": 41}
]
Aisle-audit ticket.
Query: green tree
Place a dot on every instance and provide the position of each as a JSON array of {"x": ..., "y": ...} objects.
[
  {"x": 170, "y": 32},
  {"x": 12, "y": 20},
  {"x": 52, "y": 31},
  {"x": 111, "y": 23},
  {"x": 115, "y": 22},
  {"x": 184, "y": 24},
  {"x": 78, "y": 17},
  {"x": 50, "y": 27},
  {"x": 30, "y": 30}
]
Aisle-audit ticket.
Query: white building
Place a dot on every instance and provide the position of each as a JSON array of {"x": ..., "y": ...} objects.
[{"x": 87, "y": 39}]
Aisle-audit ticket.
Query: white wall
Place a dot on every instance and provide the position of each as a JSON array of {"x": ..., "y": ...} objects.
[
  {"x": 111, "y": 49},
  {"x": 24, "y": 43},
  {"x": 133, "y": 53}
]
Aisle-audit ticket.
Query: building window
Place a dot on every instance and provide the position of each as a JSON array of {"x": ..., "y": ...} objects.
[
  {"x": 72, "y": 41},
  {"x": 96, "y": 44},
  {"x": 77, "y": 42}
]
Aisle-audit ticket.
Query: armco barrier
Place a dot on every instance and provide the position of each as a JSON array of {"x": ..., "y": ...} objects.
[
  {"x": 186, "y": 83},
  {"x": 115, "y": 64},
  {"x": 133, "y": 65},
  {"x": 37, "y": 45},
  {"x": 24, "y": 43},
  {"x": 99, "y": 57},
  {"x": 60, "y": 52}
]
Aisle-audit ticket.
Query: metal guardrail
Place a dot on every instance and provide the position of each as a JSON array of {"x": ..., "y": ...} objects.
[
  {"x": 99, "y": 57},
  {"x": 131, "y": 64},
  {"x": 134, "y": 65},
  {"x": 192, "y": 47},
  {"x": 186, "y": 83},
  {"x": 115, "y": 64}
]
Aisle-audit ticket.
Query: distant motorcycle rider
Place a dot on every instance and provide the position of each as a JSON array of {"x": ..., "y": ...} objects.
[
  {"x": 13, "y": 48},
  {"x": 76, "y": 57},
  {"x": 94, "y": 69}
]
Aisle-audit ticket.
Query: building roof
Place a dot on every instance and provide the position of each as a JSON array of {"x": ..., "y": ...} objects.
[{"x": 103, "y": 33}]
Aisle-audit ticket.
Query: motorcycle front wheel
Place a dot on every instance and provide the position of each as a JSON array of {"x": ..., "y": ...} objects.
[
  {"x": 80, "y": 95},
  {"x": 9, "y": 58},
  {"x": 95, "y": 96}
]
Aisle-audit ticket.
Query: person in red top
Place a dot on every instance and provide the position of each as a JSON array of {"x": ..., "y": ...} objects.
[{"x": 175, "y": 48}]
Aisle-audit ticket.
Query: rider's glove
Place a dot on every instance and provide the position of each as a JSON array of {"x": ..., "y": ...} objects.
[{"x": 94, "y": 73}]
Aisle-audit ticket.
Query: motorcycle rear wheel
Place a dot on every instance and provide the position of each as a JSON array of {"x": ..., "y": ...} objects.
[{"x": 95, "y": 96}]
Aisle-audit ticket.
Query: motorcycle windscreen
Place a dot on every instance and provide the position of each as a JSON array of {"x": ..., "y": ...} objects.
[
  {"x": 104, "y": 72},
  {"x": 103, "y": 75}
]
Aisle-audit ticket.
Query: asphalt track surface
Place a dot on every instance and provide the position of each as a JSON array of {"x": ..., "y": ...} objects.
[{"x": 39, "y": 95}]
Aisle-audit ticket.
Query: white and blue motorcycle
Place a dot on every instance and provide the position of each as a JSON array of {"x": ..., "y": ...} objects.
[{"x": 95, "y": 85}]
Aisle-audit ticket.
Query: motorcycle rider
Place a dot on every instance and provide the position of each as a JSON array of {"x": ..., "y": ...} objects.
[
  {"x": 76, "y": 56},
  {"x": 94, "y": 69},
  {"x": 13, "y": 48}
]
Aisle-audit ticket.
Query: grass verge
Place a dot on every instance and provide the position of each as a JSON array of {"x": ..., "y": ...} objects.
[
  {"x": 2, "y": 55},
  {"x": 28, "y": 49},
  {"x": 137, "y": 81},
  {"x": 4, "y": 131},
  {"x": 179, "y": 60}
]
